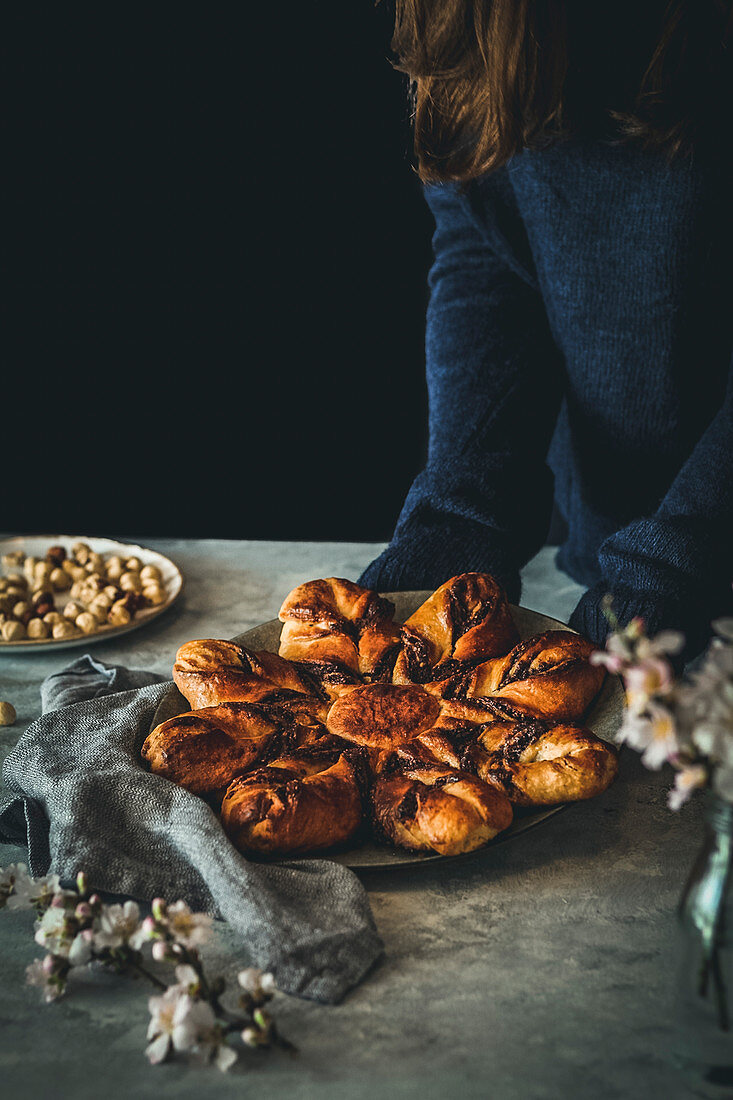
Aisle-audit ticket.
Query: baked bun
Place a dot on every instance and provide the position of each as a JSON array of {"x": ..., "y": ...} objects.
[
  {"x": 334, "y": 620},
  {"x": 382, "y": 716},
  {"x": 466, "y": 620},
  {"x": 304, "y": 802},
  {"x": 430, "y": 807},
  {"x": 548, "y": 676},
  {"x": 536, "y": 766},
  {"x": 210, "y": 671},
  {"x": 205, "y": 749}
]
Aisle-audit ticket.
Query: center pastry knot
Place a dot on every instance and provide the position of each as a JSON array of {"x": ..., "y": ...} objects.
[{"x": 425, "y": 735}]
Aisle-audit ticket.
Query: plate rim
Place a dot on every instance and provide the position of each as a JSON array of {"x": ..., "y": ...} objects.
[{"x": 34, "y": 645}]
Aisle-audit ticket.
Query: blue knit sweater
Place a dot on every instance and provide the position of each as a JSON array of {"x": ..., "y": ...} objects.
[{"x": 578, "y": 347}]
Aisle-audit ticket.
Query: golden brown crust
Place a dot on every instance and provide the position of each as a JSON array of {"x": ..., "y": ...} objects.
[
  {"x": 211, "y": 671},
  {"x": 448, "y": 725},
  {"x": 536, "y": 766},
  {"x": 382, "y": 716},
  {"x": 548, "y": 676},
  {"x": 204, "y": 750},
  {"x": 296, "y": 804},
  {"x": 435, "y": 808},
  {"x": 466, "y": 620},
  {"x": 334, "y": 620}
]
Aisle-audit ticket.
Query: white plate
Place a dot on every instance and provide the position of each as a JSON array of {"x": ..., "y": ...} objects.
[
  {"x": 603, "y": 718},
  {"x": 36, "y": 546}
]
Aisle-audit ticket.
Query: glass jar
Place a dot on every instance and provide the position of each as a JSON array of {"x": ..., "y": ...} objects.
[{"x": 705, "y": 956}]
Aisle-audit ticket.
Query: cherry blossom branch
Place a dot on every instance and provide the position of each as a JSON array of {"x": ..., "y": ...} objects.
[
  {"x": 687, "y": 721},
  {"x": 77, "y": 929}
]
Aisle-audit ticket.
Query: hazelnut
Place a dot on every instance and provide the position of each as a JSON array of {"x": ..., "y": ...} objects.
[
  {"x": 16, "y": 580},
  {"x": 80, "y": 551},
  {"x": 154, "y": 594},
  {"x": 72, "y": 609},
  {"x": 77, "y": 590},
  {"x": 100, "y": 606},
  {"x": 41, "y": 573},
  {"x": 118, "y": 614},
  {"x": 114, "y": 567},
  {"x": 16, "y": 592},
  {"x": 38, "y": 629},
  {"x": 150, "y": 573},
  {"x": 6, "y": 602},
  {"x": 75, "y": 571},
  {"x": 113, "y": 591},
  {"x": 55, "y": 555},
  {"x": 97, "y": 560},
  {"x": 29, "y": 567},
  {"x": 130, "y": 582},
  {"x": 53, "y": 617},
  {"x": 4, "y": 582},
  {"x": 20, "y": 608},
  {"x": 64, "y": 629},
  {"x": 60, "y": 579},
  {"x": 12, "y": 631},
  {"x": 43, "y": 606},
  {"x": 12, "y": 558},
  {"x": 87, "y": 622},
  {"x": 7, "y": 714}
]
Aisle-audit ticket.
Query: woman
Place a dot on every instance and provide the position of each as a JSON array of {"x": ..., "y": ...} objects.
[{"x": 579, "y": 328}]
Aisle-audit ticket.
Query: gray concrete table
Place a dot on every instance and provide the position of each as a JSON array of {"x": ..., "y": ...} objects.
[{"x": 540, "y": 968}]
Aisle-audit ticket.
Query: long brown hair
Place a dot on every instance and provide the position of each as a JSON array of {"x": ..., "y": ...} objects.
[{"x": 489, "y": 78}]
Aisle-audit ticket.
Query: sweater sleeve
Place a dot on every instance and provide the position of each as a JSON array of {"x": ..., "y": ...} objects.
[
  {"x": 483, "y": 500},
  {"x": 675, "y": 568}
]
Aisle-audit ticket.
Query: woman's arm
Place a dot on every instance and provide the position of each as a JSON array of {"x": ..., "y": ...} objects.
[
  {"x": 675, "y": 568},
  {"x": 483, "y": 500}
]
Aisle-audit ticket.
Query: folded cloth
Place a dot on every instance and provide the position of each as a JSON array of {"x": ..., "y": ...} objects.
[{"x": 81, "y": 800}]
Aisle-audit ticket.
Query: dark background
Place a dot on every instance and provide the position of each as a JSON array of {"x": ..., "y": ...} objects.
[{"x": 216, "y": 273}]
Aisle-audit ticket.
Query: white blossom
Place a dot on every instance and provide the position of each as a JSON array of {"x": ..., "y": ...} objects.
[
  {"x": 254, "y": 982},
  {"x": 687, "y": 780},
  {"x": 119, "y": 925},
  {"x": 38, "y": 974},
  {"x": 27, "y": 891},
  {"x": 53, "y": 933},
  {"x": 251, "y": 1037},
  {"x": 188, "y": 979},
  {"x": 12, "y": 878},
  {"x": 647, "y": 680},
  {"x": 187, "y": 928},
  {"x": 652, "y": 732},
  {"x": 665, "y": 642},
  {"x": 80, "y": 951},
  {"x": 181, "y": 1023},
  {"x": 225, "y": 1058}
]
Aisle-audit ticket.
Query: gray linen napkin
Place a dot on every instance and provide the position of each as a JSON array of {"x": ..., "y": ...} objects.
[{"x": 81, "y": 800}]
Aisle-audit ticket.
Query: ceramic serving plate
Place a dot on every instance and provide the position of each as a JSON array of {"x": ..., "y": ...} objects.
[
  {"x": 36, "y": 546},
  {"x": 603, "y": 718}
]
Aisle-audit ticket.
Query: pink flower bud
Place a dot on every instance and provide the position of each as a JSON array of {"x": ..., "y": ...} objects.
[
  {"x": 83, "y": 911},
  {"x": 48, "y": 965},
  {"x": 95, "y": 900},
  {"x": 160, "y": 951},
  {"x": 149, "y": 926},
  {"x": 58, "y": 902},
  {"x": 250, "y": 1036}
]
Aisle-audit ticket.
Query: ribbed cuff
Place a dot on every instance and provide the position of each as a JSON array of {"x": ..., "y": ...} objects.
[
  {"x": 428, "y": 562},
  {"x": 658, "y": 614}
]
